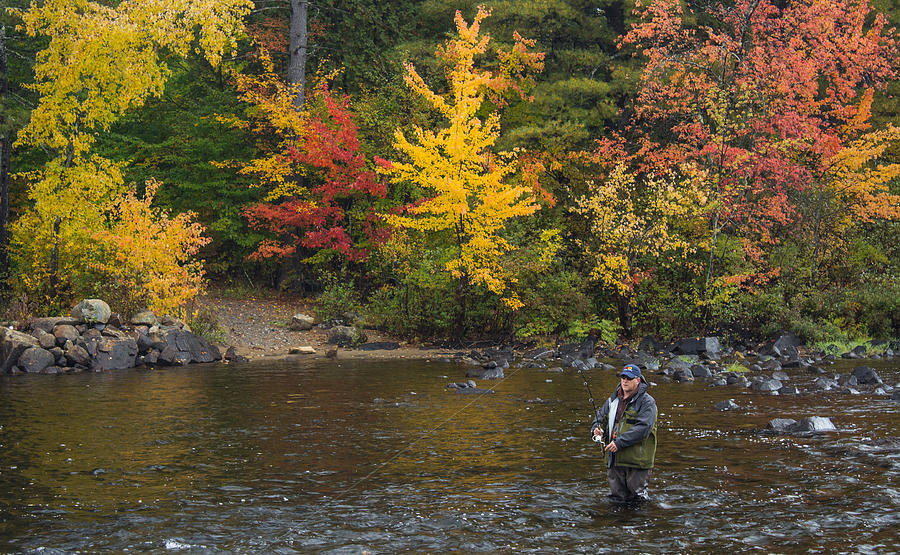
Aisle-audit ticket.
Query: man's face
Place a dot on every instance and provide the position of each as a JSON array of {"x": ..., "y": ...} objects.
[{"x": 629, "y": 385}]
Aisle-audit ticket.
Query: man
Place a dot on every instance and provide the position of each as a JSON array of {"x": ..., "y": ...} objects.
[{"x": 629, "y": 415}]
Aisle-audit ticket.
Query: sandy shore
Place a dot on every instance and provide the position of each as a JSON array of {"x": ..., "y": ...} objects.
[{"x": 258, "y": 325}]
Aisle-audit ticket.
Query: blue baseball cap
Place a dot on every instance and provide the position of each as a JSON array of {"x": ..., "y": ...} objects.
[{"x": 630, "y": 371}]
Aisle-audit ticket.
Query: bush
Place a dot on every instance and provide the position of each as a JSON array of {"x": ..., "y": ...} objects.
[{"x": 337, "y": 298}]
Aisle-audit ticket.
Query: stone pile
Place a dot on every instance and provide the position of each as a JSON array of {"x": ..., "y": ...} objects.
[{"x": 93, "y": 338}]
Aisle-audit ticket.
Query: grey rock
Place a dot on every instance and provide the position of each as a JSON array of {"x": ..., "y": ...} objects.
[
  {"x": 867, "y": 376},
  {"x": 781, "y": 424},
  {"x": 701, "y": 371},
  {"x": 345, "y": 336},
  {"x": 45, "y": 340},
  {"x": 65, "y": 332},
  {"x": 116, "y": 354},
  {"x": 683, "y": 375},
  {"x": 696, "y": 346},
  {"x": 815, "y": 424},
  {"x": 768, "y": 385},
  {"x": 12, "y": 344},
  {"x": 144, "y": 318},
  {"x": 727, "y": 405},
  {"x": 825, "y": 384},
  {"x": 35, "y": 359},
  {"x": 77, "y": 355},
  {"x": 302, "y": 322},
  {"x": 92, "y": 311}
]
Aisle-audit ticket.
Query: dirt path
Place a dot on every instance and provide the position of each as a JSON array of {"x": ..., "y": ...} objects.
[{"x": 258, "y": 325}]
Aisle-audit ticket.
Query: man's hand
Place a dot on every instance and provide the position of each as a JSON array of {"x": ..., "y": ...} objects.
[
  {"x": 612, "y": 447},
  {"x": 598, "y": 431}
]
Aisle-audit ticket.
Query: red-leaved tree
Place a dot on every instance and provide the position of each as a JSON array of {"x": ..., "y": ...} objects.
[
  {"x": 756, "y": 92},
  {"x": 322, "y": 190}
]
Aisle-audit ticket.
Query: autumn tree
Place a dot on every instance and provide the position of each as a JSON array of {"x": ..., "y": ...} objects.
[
  {"x": 851, "y": 188},
  {"x": 100, "y": 62},
  {"x": 321, "y": 192},
  {"x": 638, "y": 223},
  {"x": 470, "y": 191},
  {"x": 737, "y": 87},
  {"x": 148, "y": 256}
]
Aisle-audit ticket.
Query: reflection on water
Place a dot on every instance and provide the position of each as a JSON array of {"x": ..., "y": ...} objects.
[{"x": 379, "y": 456}]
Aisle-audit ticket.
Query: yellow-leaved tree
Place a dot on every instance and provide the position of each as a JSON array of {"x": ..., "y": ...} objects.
[
  {"x": 636, "y": 223},
  {"x": 471, "y": 191},
  {"x": 149, "y": 255},
  {"x": 100, "y": 62}
]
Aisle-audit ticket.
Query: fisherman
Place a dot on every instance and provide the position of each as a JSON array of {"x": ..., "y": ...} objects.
[{"x": 629, "y": 440}]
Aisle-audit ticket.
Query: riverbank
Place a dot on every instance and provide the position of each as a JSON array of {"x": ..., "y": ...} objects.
[{"x": 258, "y": 325}]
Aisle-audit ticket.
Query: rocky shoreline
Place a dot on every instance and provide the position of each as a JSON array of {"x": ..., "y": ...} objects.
[{"x": 95, "y": 339}]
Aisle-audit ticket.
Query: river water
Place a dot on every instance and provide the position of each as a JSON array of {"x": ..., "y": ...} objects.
[{"x": 379, "y": 457}]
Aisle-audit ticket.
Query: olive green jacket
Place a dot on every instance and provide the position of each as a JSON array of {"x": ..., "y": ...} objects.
[{"x": 634, "y": 433}]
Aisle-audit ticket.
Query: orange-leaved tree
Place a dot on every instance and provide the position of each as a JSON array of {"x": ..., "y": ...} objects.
[
  {"x": 757, "y": 92},
  {"x": 851, "y": 187},
  {"x": 470, "y": 192},
  {"x": 149, "y": 255}
]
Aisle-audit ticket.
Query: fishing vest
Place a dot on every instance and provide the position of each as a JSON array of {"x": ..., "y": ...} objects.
[{"x": 639, "y": 455}]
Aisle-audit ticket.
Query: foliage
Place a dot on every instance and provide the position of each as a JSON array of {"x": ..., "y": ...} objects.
[
  {"x": 100, "y": 62},
  {"x": 337, "y": 298},
  {"x": 757, "y": 93},
  {"x": 149, "y": 254},
  {"x": 633, "y": 220},
  {"x": 320, "y": 191},
  {"x": 473, "y": 193}
]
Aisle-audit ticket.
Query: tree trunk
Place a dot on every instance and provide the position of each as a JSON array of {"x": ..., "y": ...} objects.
[
  {"x": 625, "y": 315},
  {"x": 5, "y": 154},
  {"x": 298, "y": 47}
]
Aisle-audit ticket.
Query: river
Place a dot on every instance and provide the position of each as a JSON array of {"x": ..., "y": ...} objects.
[{"x": 379, "y": 457}]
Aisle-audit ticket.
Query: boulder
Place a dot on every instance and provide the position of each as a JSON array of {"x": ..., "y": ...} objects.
[
  {"x": 304, "y": 350},
  {"x": 65, "y": 332},
  {"x": 769, "y": 384},
  {"x": 784, "y": 346},
  {"x": 781, "y": 424},
  {"x": 92, "y": 311},
  {"x": 683, "y": 375},
  {"x": 45, "y": 340},
  {"x": 696, "y": 346},
  {"x": 345, "y": 336},
  {"x": 701, "y": 371},
  {"x": 76, "y": 355},
  {"x": 302, "y": 322},
  {"x": 815, "y": 424},
  {"x": 34, "y": 359},
  {"x": 187, "y": 348},
  {"x": 867, "y": 376},
  {"x": 144, "y": 318},
  {"x": 12, "y": 344},
  {"x": 727, "y": 405},
  {"x": 116, "y": 354}
]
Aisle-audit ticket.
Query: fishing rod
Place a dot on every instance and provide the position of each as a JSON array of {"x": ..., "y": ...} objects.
[{"x": 584, "y": 380}]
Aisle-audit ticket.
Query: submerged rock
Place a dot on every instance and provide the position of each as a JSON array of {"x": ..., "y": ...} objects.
[
  {"x": 814, "y": 424},
  {"x": 727, "y": 405}
]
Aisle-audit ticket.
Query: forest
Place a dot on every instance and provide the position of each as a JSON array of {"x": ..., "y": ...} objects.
[{"x": 496, "y": 169}]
